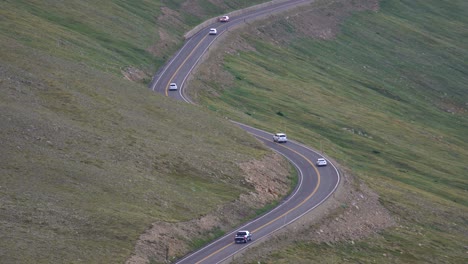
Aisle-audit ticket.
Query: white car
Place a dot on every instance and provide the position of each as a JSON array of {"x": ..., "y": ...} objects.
[
  {"x": 321, "y": 162},
  {"x": 280, "y": 138},
  {"x": 213, "y": 31},
  {"x": 224, "y": 19},
  {"x": 172, "y": 87}
]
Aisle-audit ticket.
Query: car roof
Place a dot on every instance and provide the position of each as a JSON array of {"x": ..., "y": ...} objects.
[
  {"x": 173, "y": 84},
  {"x": 280, "y": 134},
  {"x": 321, "y": 159}
]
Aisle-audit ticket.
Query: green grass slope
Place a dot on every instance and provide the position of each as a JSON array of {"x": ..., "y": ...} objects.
[
  {"x": 387, "y": 97},
  {"x": 88, "y": 159}
]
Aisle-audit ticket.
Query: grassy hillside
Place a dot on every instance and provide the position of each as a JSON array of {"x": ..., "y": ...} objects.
[
  {"x": 89, "y": 159},
  {"x": 386, "y": 96}
]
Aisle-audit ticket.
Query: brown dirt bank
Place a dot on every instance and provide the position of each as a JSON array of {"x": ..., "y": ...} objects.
[
  {"x": 268, "y": 176},
  {"x": 353, "y": 212}
]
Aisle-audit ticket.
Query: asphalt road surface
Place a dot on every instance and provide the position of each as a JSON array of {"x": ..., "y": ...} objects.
[{"x": 315, "y": 184}]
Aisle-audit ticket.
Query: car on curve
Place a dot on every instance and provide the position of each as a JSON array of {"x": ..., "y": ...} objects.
[
  {"x": 321, "y": 162},
  {"x": 213, "y": 31},
  {"x": 172, "y": 87},
  {"x": 280, "y": 138},
  {"x": 224, "y": 19}
]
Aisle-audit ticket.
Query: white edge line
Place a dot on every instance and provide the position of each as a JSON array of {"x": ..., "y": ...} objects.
[
  {"x": 306, "y": 212},
  {"x": 186, "y": 99},
  {"x": 282, "y": 203},
  {"x": 296, "y": 166},
  {"x": 169, "y": 64},
  {"x": 290, "y": 222},
  {"x": 255, "y": 220}
]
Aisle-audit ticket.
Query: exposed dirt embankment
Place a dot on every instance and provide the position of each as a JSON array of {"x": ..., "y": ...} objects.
[
  {"x": 269, "y": 178},
  {"x": 351, "y": 213}
]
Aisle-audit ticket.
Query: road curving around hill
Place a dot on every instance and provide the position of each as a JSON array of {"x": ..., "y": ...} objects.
[{"x": 315, "y": 184}]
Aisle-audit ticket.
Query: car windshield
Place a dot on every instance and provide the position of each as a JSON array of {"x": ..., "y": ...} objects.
[{"x": 241, "y": 233}]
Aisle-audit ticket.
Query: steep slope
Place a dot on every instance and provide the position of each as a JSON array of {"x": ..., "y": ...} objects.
[{"x": 88, "y": 158}]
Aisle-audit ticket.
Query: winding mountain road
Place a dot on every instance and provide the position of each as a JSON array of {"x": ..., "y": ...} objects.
[{"x": 315, "y": 184}]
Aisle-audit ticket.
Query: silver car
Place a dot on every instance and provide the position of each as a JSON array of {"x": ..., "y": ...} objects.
[
  {"x": 172, "y": 87},
  {"x": 213, "y": 31},
  {"x": 321, "y": 162},
  {"x": 280, "y": 138}
]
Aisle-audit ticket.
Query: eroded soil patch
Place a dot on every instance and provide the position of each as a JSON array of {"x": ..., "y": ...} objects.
[
  {"x": 352, "y": 213},
  {"x": 268, "y": 176}
]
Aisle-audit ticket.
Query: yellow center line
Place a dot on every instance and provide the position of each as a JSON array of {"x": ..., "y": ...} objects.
[
  {"x": 182, "y": 64},
  {"x": 295, "y": 207},
  {"x": 306, "y": 199}
]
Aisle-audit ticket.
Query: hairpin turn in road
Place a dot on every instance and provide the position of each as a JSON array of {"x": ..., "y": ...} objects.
[{"x": 315, "y": 183}]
